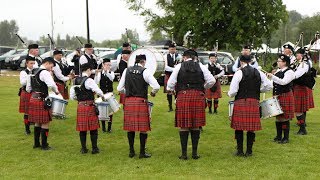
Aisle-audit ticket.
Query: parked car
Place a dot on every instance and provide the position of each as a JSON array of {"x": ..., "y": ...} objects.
[
  {"x": 225, "y": 59},
  {"x": 5, "y": 49},
  {"x": 7, "y": 54}
]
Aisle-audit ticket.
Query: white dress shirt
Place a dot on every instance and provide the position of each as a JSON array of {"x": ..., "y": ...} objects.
[
  {"x": 288, "y": 77},
  {"x": 58, "y": 73},
  {"x": 88, "y": 84},
  {"x": 235, "y": 65},
  {"x": 147, "y": 76},
  {"x": 209, "y": 79},
  {"x": 109, "y": 74},
  {"x": 217, "y": 66},
  {"x": 266, "y": 84},
  {"x": 46, "y": 77},
  {"x": 83, "y": 59},
  {"x": 24, "y": 77},
  {"x": 301, "y": 69}
]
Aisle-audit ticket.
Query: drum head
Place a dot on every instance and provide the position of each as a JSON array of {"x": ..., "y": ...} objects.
[
  {"x": 108, "y": 95},
  {"x": 151, "y": 58}
]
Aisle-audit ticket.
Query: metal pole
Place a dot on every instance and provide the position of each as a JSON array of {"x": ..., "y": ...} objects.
[
  {"x": 88, "y": 29},
  {"x": 51, "y": 24}
]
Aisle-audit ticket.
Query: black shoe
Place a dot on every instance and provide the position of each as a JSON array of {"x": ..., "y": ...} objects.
[
  {"x": 84, "y": 150},
  {"x": 95, "y": 151},
  {"x": 109, "y": 131},
  {"x": 170, "y": 110},
  {"x": 215, "y": 111},
  {"x": 36, "y": 146},
  {"x": 145, "y": 155},
  {"x": 210, "y": 111},
  {"x": 239, "y": 154},
  {"x": 46, "y": 148},
  {"x": 28, "y": 132},
  {"x": 195, "y": 156},
  {"x": 248, "y": 154},
  {"x": 277, "y": 139},
  {"x": 284, "y": 141},
  {"x": 104, "y": 130},
  {"x": 132, "y": 154},
  {"x": 183, "y": 157}
]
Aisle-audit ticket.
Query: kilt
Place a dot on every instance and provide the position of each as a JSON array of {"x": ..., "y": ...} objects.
[
  {"x": 87, "y": 119},
  {"x": 63, "y": 90},
  {"x": 122, "y": 98},
  {"x": 24, "y": 101},
  {"x": 246, "y": 115},
  {"x": 190, "y": 109},
  {"x": 136, "y": 114},
  {"x": 214, "y": 95},
  {"x": 37, "y": 113},
  {"x": 286, "y": 101},
  {"x": 303, "y": 99}
]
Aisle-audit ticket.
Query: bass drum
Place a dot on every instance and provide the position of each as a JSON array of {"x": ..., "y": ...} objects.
[{"x": 155, "y": 61}]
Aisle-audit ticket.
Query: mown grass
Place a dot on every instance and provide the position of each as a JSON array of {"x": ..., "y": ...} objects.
[{"x": 296, "y": 160}]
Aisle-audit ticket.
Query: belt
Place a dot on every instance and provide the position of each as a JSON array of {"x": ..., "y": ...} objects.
[
  {"x": 86, "y": 103},
  {"x": 38, "y": 95}
]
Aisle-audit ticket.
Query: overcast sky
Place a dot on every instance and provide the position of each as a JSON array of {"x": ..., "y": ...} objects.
[{"x": 108, "y": 18}]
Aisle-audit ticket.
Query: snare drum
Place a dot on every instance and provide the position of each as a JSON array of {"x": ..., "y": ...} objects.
[
  {"x": 104, "y": 110},
  {"x": 58, "y": 107},
  {"x": 270, "y": 107},
  {"x": 231, "y": 104},
  {"x": 113, "y": 103}
]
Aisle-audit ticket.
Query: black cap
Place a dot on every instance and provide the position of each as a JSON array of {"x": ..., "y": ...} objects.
[
  {"x": 55, "y": 52},
  {"x": 285, "y": 58},
  {"x": 106, "y": 60},
  {"x": 85, "y": 67},
  {"x": 125, "y": 44},
  {"x": 140, "y": 58},
  {"x": 33, "y": 46},
  {"x": 88, "y": 45},
  {"x": 213, "y": 55},
  {"x": 246, "y": 47},
  {"x": 245, "y": 58},
  {"x": 300, "y": 51},
  {"x": 190, "y": 52},
  {"x": 30, "y": 58},
  {"x": 288, "y": 46},
  {"x": 50, "y": 60},
  {"x": 172, "y": 45},
  {"x": 126, "y": 52}
]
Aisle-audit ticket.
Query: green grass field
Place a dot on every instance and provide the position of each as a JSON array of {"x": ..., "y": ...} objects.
[{"x": 299, "y": 159}]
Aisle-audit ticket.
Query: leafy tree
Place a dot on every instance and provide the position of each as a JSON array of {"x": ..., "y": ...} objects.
[{"x": 8, "y": 29}]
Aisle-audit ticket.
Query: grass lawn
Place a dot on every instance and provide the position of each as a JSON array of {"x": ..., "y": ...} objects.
[{"x": 300, "y": 159}]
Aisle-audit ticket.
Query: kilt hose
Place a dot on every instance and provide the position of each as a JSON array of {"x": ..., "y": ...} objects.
[
  {"x": 63, "y": 90},
  {"x": 37, "y": 113},
  {"x": 136, "y": 114},
  {"x": 24, "y": 102},
  {"x": 190, "y": 109},
  {"x": 214, "y": 95},
  {"x": 122, "y": 98},
  {"x": 87, "y": 119},
  {"x": 303, "y": 98},
  {"x": 286, "y": 101},
  {"x": 246, "y": 115}
]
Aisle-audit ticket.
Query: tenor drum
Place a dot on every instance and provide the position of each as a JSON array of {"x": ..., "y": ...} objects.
[
  {"x": 104, "y": 110},
  {"x": 231, "y": 104},
  {"x": 155, "y": 60},
  {"x": 58, "y": 106},
  {"x": 270, "y": 107},
  {"x": 113, "y": 103}
]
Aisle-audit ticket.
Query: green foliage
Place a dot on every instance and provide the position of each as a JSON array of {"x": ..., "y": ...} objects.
[{"x": 8, "y": 29}]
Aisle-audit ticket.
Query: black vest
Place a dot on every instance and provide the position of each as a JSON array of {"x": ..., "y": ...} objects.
[
  {"x": 106, "y": 85},
  {"x": 171, "y": 62},
  {"x": 64, "y": 71},
  {"x": 82, "y": 93},
  {"x": 279, "y": 89},
  {"x": 190, "y": 76},
  {"x": 213, "y": 69},
  {"x": 122, "y": 66},
  {"x": 92, "y": 62},
  {"x": 249, "y": 86},
  {"x": 307, "y": 79},
  {"x": 135, "y": 84},
  {"x": 36, "y": 84}
]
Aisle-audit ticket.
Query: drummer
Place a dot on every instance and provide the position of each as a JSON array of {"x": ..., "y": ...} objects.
[
  {"x": 134, "y": 82},
  {"x": 282, "y": 88},
  {"x": 246, "y": 85},
  {"x": 87, "y": 119},
  {"x": 39, "y": 111},
  {"x": 60, "y": 74},
  {"x": 105, "y": 79},
  {"x": 123, "y": 64},
  {"x": 24, "y": 95},
  {"x": 215, "y": 91}
]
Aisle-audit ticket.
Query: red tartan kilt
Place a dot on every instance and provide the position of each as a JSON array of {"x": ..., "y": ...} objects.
[
  {"x": 87, "y": 119},
  {"x": 246, "y": 115},
  {"x": 214, "y": 95},
  {"x": 286, "y": 101},
  {"x": 122, "y": 98},
  {"x": 302, "y": 98},
  {"x": 37, "y": 113},
  {"x": 190, "y": 109},
  {"x": 136, "y": 114},
  {"x": 62, "y": 90},
  {"x": 24, "y": 101},
  {"x": 310, "y": 98}
]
